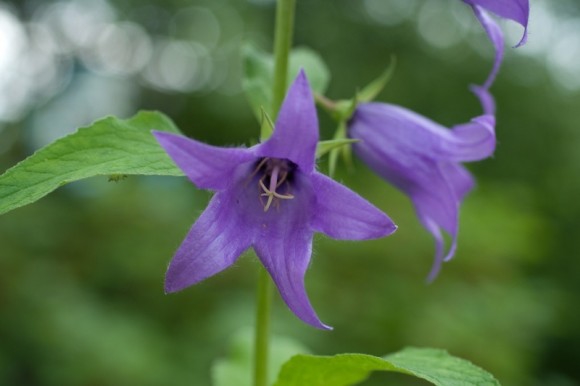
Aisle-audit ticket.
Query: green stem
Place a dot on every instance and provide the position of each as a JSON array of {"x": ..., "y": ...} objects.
[
  {"x": 262, "y": 337},
  {"x": 282, "y": 45}
]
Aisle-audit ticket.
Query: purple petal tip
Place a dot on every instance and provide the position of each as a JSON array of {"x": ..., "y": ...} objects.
[
  {"x": 169, "y": 289},
  {"x": 319, "y": 325},
  {"x": 172, "y": 285},
  {"x": 523, "y": 41}
]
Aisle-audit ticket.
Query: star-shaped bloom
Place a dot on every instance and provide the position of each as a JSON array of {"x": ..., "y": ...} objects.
[
  {"x": 271, "y": 198},
  {"x": 516, "y": 10},
  {"x": 423, "y": 159}
]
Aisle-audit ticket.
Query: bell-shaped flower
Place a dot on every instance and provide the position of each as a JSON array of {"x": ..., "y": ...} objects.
[
  {"x": 271, "y": 198},
  {"x": 516, "y": 10},
  {"x": 423, "y": 159}
]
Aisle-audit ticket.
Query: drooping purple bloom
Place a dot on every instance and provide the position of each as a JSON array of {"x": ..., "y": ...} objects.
[
  {"x": 271, "y": 198},
  {"x": 423, "y": 159},
  {"x": 516, "y": 10}
]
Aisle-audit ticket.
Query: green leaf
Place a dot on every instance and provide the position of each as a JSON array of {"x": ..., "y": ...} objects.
[
  {"x": 257, "y": 79},
  {"x": 433, "y": 365},
  {"x": 237, "y": 368},
  {"x": 110, "y": 147},
  {"x": 440, "y": 368},
  {"x": 259, "y": 74}
]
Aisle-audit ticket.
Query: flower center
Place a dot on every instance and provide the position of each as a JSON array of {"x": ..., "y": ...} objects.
[{"x": 274, "y": 183}]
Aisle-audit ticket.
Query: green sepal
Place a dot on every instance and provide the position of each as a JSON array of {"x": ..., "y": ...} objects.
[
  {"x": 109, "y": 147},
  {"x": 327, "y": 146},
  {"x": 258, "y": 74},
  {"x": 345, "y": 109},
  {"x": 266, "y": 126},
  {"x": 340, "y": 134},
  {"x": 341, "y": 111},
  {"x": 433, "y": 365},
  {"x": 372, "y": 90}
]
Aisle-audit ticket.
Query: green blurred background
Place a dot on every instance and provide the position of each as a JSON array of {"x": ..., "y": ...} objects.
[{"x": 81, "y": 271}]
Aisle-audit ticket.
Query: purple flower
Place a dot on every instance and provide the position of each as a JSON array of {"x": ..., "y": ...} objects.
[
  {"x": 271, "y": 198},
  {"x": 423, "y": 159},
  {"x": 516, "y": 10}
]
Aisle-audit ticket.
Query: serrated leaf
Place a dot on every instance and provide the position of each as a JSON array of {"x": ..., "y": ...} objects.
[
  {"x": 237, "y": 368},
  {"x": 433, "y": 365},
  {"x": 109, "y": 147},
  {"x": 259, "y": 73}
]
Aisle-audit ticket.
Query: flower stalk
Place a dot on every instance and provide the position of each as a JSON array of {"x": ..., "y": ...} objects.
[
  {"x": 262, "y": 337},
  {"x": 282, "y": 45}
]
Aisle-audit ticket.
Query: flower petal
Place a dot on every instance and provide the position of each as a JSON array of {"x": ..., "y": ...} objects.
[
  {"x": 214, "y": 242},
  {"x": 477, "y": 136},
  {"x": 342, "y": 214},
  {"x": 284, "y": 245},
  {"x": 438, "y": 209},
  {"x": 485, "y": 99},
  {"x": 404, "y": 133},
  {"x": 437, "y": 204},
  {"x": 208, "y": 167},
  {"x": 496, "y": 36},
  {"x": 516, "y": 10},
  {"x": 287, "y": 262},
  {"x": 296, "y": 131}
]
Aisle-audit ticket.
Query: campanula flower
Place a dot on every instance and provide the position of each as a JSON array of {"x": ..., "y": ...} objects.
[
  {"x": 271, "y": 198},
  {"x": 423, "y": 159},
  {"x": 516, "y": 10}
]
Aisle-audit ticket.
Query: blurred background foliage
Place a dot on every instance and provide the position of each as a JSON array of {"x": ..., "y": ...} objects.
[{"x": 81, "y": 271}]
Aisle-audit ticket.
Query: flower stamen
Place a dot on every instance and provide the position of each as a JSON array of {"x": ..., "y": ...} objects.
[
  {"x": 275, "y": 183},
  {"x": 260, "y": 165}
]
